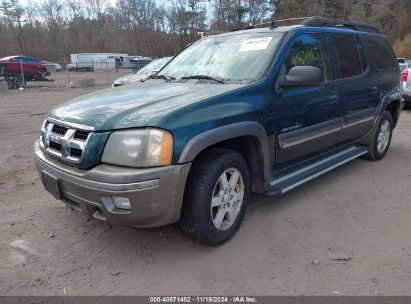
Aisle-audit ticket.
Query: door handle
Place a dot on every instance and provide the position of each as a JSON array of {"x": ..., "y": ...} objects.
[
  {"x": 333, "y": 99},
  {"x": 374, "y": 90}
]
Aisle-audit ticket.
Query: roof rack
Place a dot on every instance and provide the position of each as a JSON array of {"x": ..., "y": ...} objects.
[
  {"x": 320, "y": 21},
  {"x": 317, "y": 21},
  {"x": 273, "y": 23}
]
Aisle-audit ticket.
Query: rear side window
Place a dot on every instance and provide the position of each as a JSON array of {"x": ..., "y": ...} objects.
[
  {"x": 312, "y": 50},
  {"x": 348, "y": 56},
  {"x": 382, "y": 52}
]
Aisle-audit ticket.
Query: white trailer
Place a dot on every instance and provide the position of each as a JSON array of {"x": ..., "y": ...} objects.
[{"x": 94, "y": 61}]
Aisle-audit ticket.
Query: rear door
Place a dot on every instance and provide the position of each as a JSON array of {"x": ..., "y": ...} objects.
[
  {"x": 359, "y": 90},
  {"x": 308, "y": 119},
  {"x": 386, "y": 65}
]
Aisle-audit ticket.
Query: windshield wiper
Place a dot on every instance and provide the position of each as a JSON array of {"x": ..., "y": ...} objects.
[
  {"x": 216, "y": 79},
  {"x": 165, "y": 77}
]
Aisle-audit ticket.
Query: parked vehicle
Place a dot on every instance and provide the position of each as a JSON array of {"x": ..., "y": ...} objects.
[
  {"x": 259, "y": 110},
  {"x": 132, "y": 62},
  {"x": 33, "y": 69},
  {"x": 57, "y": 67},
  {"x": 93, "y": 61},
  {"x": 402, "y": 66},
  {"x": 149, "y": 70},
  {"x": 406, "y": 86}
]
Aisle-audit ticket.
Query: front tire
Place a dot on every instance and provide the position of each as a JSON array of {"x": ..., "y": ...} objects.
[
  {"x": 381, "y": 137},
  {"x": 216, "y": 196}
]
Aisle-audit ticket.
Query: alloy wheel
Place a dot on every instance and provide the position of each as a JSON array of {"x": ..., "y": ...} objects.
[{"x": 227, "y": 199}]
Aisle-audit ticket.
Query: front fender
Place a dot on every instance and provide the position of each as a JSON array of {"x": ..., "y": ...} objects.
[{"x": 247, "y": 128}]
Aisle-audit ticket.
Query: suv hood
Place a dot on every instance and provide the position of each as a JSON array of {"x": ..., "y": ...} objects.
[{"x": 136, "y": 104}]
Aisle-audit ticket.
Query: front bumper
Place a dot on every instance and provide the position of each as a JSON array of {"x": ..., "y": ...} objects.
[{"x": 155, "y": 194}]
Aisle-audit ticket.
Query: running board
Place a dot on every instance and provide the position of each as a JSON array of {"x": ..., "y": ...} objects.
[{"x": 294, "y": 179}]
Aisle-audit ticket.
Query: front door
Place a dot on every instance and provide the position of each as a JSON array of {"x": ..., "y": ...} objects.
[{"x": 308, "y": 119}]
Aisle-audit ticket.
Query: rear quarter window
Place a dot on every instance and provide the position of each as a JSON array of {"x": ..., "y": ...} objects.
[{"x": 382, "y": 52}]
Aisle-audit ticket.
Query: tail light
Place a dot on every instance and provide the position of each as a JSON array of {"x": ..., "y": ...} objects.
[{"x": 405, "y": 75}]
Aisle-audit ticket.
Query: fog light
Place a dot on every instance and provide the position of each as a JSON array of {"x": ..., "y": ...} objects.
[{"x": 121, "y": 202}]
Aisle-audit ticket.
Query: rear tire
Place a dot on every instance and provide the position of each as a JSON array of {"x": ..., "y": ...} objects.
[
  {"x": 216, "y": 196},
  {"x": 42, "y": 74},
  {"x": 3, "y": 69},
  {"x": 380, "y": 138}
]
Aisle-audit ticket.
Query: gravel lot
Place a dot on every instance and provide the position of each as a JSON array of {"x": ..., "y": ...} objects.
[{"x": 347, "y": 232}]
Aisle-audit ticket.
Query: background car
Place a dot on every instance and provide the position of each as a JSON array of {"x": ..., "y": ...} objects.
[
  {"x": 54, "y": 65},
  {"x": 406, "y": 86},
  {"x": 402, "y": 62},
  {"x": 150, "y": 69},
  {"x": 32, "y": 67}
]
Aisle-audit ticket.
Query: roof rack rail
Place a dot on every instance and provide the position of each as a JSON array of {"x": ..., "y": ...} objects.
[
  {"x": 273, "y": 23},
  {"x": 320, "y": 21},
  {"x": 317, "y": 21}
]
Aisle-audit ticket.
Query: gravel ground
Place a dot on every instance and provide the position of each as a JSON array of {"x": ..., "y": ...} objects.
[{"x": 347, "y": 232}]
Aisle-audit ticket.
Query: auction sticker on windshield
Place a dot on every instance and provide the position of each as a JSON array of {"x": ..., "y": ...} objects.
[{"x": 255, "y": 44}]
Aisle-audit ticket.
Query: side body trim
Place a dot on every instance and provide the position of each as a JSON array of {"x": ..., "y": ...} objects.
[
  {"x": 293, "y": 138},
  {"x": 359, "y": 118}
]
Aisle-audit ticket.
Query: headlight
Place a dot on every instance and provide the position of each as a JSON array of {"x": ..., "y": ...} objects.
[{"x": 139, "y": 148}]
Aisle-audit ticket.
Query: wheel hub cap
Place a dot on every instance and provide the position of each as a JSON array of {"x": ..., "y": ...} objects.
[
  {"x": 383, "y": 136},
  {"x": 227, "y": 199}
]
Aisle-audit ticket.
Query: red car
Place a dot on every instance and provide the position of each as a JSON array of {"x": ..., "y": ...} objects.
[{"x": 32, "y": 67}]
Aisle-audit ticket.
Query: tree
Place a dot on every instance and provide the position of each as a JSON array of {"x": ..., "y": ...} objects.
[{"x": 13, "y": 13}]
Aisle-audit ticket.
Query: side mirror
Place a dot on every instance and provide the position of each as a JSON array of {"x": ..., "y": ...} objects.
[{"x": 302, "y": 76}]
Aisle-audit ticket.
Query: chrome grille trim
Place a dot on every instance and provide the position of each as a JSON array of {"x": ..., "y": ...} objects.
[
  {"x": 70, "y": 124},
  {"x": 72, "y": 149}
]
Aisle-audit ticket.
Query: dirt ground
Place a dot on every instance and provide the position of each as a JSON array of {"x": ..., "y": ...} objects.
[
  {"x": 347, "y": 232},
  {"x": 64, "y": 78}
]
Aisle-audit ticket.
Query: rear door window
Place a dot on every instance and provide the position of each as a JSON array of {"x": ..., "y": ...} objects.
[
  {"x": 382, "y": 52},
  {"x": 348, "y": 55}
]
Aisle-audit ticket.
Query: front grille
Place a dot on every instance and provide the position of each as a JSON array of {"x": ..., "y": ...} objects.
[
  {"x": 59, "y": 130},
  {"x": 76, "y": 152},
  {"x": 55, "y": 146},
  {"x": 81, "y": 135},
  {"x": 64, "y": 142}
]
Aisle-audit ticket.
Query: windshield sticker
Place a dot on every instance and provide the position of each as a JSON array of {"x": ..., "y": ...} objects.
[{"x": 255, "y": 44}]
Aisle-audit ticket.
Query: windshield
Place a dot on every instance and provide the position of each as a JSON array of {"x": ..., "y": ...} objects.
[
  {"x": 154, "y": 65},
  {"x": 234, "y": 57}
]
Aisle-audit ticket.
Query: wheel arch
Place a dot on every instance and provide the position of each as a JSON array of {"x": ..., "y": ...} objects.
[
  {"x": 249, "y": 139},
  {"x": 391, "y": 103}
]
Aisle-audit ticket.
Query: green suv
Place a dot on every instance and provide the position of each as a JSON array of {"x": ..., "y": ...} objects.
[{"x": 257, "y": 110}]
